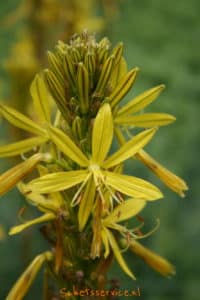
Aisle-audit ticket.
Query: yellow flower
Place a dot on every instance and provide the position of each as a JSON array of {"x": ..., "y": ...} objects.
[
  {"x": 98, "y": 167},
  {"x": 77, "y": 63}
]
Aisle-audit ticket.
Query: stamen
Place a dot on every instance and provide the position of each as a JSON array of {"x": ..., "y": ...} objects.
[{"x": 76, "y": 199}]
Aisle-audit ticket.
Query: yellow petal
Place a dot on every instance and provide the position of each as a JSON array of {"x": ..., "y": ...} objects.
[
  {"x": 21, "y": 147},
  {"x": 86, "y": 204},
  {"x": 171, "y": 180},
  {"x": 123, "y": 87},
  {"x": 132, "y": 186},
  {"x": 21, "y": 121},
  {"x": 130, "y": 148},
  {"x": 154, "y": 260},
  {"x": 126, "y": 210},
  {"x": 10, "y": 178},
  {"x": 41, "y": 96},
  {"x": 44, "y": 218},
  {"x": 145, "y": 120},
  {"x": 117, "y": 253},
  {"x": 57, "y": 181},
  {"x": 102, "y": 134},
  {"x": 105, "y": 242},
  {"x": 52, "y": 203},
  {"x": 67, "y": 146},
  {"x": 141, "y": 101},
  {"x": 21, "y": 287}
]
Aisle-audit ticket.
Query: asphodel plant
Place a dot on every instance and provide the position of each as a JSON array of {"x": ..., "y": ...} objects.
[{"x": 77, "y": 181}]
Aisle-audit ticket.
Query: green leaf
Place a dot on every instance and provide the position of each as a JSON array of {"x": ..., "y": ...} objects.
[
  {"x": 102, "y": 134},
  {"x": 146, "y": 120},
  {"x": 117, "y": 253},
  {"x": 58, "y": 181},
  {"x": 86, "y": 204},
  {"x": 44, "y": 218},
  {"x": 126, "y": 210},
  {"x": 21, "y": 147},
  {"x": 21, "y": 287},
  {"x": 130, "y": 148},
  {"x": 41, "y": 96},
  {"x": 132, "y": 186},
  {"x": 141, "y": 101},
  {"x": 68, "y": 147},
  {"x": 21, "y": 121}
]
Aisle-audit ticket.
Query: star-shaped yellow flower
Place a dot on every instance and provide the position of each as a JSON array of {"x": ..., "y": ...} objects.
[{"x": 98, "y": 167}]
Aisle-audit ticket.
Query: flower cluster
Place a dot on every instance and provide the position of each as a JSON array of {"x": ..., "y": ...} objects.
[{"x": 80, "y": 186}]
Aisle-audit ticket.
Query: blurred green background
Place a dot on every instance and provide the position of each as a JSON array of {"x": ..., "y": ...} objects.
[{"x": 162, "y": 39}]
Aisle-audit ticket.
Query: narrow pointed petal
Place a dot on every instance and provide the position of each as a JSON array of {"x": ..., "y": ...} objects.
[
  {"x": 124, "y": 211},
  {"x": 86, "y": 204},
  {"x": 132, "y": 186},
  {"x": 40, "y": 95},
  {"x": 67, "y": 146},
  {"x": 130, "y": 148},
  {"x": 45, "y": 204},
  {"x": 23, "y": 284},
  {"x": 55, "y": 182},
  {"x": 21, "y": 147},
  {"x": 102, "y": 134},
  {"x": 155, "y": 261},
  {"x": 123, "y": 87},
  {"x": 21, "y": 121},
  {"x": 105, "y": 242},
  {"x": 172, "y": 181},
  {"x": 141, "y": 101},
  {"x": 11, "y": 177},
  {"x": 117, "y": 253},
  {"x": 45, "y": 218},
  {"x": 145, "y": 120}
]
